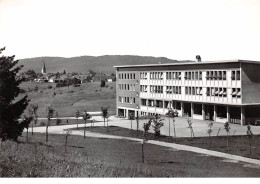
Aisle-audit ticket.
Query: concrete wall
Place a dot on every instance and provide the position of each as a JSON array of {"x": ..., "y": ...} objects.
[{"x": 250, "y": 75}]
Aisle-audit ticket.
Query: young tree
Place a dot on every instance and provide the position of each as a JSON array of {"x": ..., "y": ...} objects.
[
  {"x": 170, "y": 115},
  {"x": 190, "y": 127},
  {"x": 67, "y": 134},
  {"x": 33, "y": 113},
  {"x": 58, "y": 120},
  {"x": 49, "y": 115},
  {"x": 27, "y": 120},
  {"x": 157, "y": 124},
  {"x": 86, "y": 116},
  {"x": 227, "y": 128},
  {"x": 10, "y": 111},
  {"x": 104, "y": 114},
  {"x": 250, "y": 137},
  {"x": 146, "y": 128},
  {"x": 209, "y": 132},
  {"x": 131, "y": 117},
  {"x": 77, "y": 117}
]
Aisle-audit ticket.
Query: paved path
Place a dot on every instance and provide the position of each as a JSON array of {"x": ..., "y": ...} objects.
[{"x": 60, "y": 130}]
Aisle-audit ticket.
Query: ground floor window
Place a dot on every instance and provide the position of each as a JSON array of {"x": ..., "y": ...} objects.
[
  {"x": 178, "y": 105},
  {"x": 197, "y": 109},
  {"x": 221, "y": 111}
]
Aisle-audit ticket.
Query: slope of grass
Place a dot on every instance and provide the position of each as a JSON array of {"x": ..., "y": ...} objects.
[
  {"x": 238, "y": 145},
  {"x": 89, "y": 97},
  {"x": 93, "y": 157}
]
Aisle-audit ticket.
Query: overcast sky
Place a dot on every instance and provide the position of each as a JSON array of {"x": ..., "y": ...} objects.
[{"x": 177, "y": 29}]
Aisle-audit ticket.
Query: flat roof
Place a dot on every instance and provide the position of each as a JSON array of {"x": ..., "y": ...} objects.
[{"x": 190, "y": 63}]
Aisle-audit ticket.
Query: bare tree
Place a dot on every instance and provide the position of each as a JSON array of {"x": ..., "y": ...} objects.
[
  {"x": 86, "y": 116},
  {"x": 209, "y": 132},
  {"x": 227, "y": 128},
  {"x": 49, "y": 115},
  {"x": 68, "y": 132},
  {"x": 27, "y": 120},
  {"x": 190, "y": 127},
  {"x": 77, "y": 117},
  {"x": 157, "y": 124},
  {"x": 131, "y": 117},
  {"x": 146, "y": 128},
  {"x": 105, "y": 115},
  {"x": 33, "y": 113},
  {"x": 250, "y": 137}
]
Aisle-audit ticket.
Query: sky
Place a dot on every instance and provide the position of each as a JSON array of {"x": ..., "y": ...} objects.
[{"x": 176, "y": 29}]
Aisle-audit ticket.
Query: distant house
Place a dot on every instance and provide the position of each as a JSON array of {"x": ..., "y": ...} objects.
[
  {"x": 41, "y": 79},
  {"x": 54, "y": 79}
]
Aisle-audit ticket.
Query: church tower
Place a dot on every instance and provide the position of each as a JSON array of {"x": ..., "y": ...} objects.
[{"x": 44, "y": 69}]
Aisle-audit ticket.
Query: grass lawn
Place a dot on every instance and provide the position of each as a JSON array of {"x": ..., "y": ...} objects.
[
  {"x": 238, "y": 145},
  {"x": 95, "y": 157},
  {"x": 89, "y": 97}
]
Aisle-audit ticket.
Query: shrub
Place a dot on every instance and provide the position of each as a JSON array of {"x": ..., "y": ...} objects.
[
  {"x": 103, "y": 83},
  {"x": 42, "y": 123},
  {"x": 54, "y": 93},
  {"x": 157, "y": 124},
  {"x": 49, "y": 86},
  {"x": 58, "y": 85},
  {"x": 36, "y": 88}
]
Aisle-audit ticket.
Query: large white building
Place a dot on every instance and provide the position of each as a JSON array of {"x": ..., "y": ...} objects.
[{"x": 218, "y": 91}]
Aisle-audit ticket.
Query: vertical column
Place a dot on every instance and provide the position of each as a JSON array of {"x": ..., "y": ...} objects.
[
  {"x": 182, "y": 109},
  {"x": 243, "y": 119},
  {"x": 215, "y": 113},
  {"x": 228, "y": 114},
  {"x": 163, "y": 106},
  {"x": 192, "y": 110},
  {"x": 203, "y": 112}
]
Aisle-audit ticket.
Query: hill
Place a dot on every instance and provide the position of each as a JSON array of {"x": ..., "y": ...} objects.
[{"x": 84, "y": 63}]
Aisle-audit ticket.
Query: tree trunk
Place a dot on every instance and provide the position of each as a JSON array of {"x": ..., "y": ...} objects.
[
  {"x": 66, "y": 144},
  {"x": 131, "y": 124},
  {"x": 227, "y": 141},
  {"x": 77, "y": 124},
  {"x": 107, "y": 124},
  {"x": 174, "y": 131},
  {"x": 85, "y": 129},
  {"x": 104, "y": 122},
  {"x": 250, "y": 144},
  {"x": 32, "y": 128},
  {"x": 46, "y": 133},
  {"x": 27, "y": 132},
  {"x": 169, "y": 127},
  {"x": 143, "y": 152}
]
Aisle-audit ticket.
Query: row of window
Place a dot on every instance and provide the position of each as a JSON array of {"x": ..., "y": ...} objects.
[
  {"x": 193, "y": 75},
  {"x": 173, "y": 75},
  {"x": 221, "y": 92},
  {"x": 236, "y": 92},
  {"x": 129, "y": 100},
  {"x": 156, "y": 75},
  {"x": 173, "y": 89},
  {"x": 235, "y": 75},
  {"x": 143, "y": 88},
  {"x": 126, "y": 76},
  {"x": 216, "y": 75},
  {"x": 156, "y": 89},
  {"x": 127, "y": 87},
  {"x": 193, "y": 91},
  {"x": 143, "y": 75},
  {"x": 152, "y": 103}
]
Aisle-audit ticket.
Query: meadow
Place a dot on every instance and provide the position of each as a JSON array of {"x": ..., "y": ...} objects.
[
  {"x": 66, "y": 101},
  {"x": 99, "y": 157}
]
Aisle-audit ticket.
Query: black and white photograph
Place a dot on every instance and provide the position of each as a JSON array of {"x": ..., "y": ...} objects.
[{"x": 141, "y": 89}]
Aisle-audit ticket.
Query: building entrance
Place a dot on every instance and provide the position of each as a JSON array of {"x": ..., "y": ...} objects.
[
  {"x": 187, "y": 109},
  {"x": 209, "y": 112}
]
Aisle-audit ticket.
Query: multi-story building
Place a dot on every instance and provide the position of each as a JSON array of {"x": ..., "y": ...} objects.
[{"x": 218, "y": 91}]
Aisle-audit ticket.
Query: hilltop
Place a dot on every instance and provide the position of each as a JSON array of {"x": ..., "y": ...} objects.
[{"x": 84, "y": 63}]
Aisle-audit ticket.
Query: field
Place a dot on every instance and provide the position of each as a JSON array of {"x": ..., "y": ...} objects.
[
  {"x": 89, "y": 97},
  {"x": 238, "y": 145},
  {"x": 95, "y": 157}
]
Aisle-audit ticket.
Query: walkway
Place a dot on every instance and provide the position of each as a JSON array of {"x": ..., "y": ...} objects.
[{"x": 60, "y": 130}]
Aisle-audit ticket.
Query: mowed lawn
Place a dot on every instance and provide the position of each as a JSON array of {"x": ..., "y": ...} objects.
[
  {"x": 65, "y": 101},
  {"x": 95, "y": 157}
]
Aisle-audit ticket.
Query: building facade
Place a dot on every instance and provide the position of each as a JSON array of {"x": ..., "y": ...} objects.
[{"x": 217, "y": 91}]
